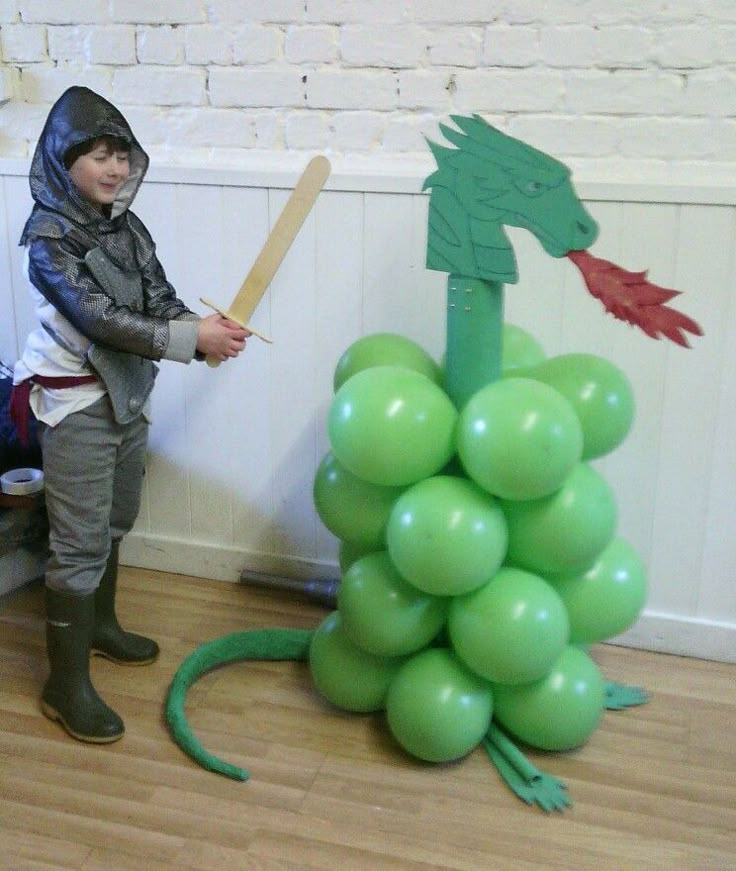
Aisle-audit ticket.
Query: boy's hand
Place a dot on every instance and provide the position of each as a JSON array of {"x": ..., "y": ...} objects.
[{"x": 221, "y": 338}]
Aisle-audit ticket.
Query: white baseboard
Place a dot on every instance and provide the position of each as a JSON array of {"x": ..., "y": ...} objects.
[
  {"x": 682, "y": 636},
  {"x": 216, "y": 562},
  {"x": 664, "y": 633}
]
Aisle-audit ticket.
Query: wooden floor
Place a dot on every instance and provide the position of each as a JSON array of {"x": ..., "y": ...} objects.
[{"x": 655, "y": 787}]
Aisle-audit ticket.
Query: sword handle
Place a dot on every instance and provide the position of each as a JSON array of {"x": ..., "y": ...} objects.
[{"x": 213, "y": 361}]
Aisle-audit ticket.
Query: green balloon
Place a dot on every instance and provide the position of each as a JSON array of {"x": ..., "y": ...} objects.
[
  {"x": 391, "y": 426},
  {"x": 351, "y": 508},
  {"x": 384, "y": 349},
  {"x": 511, "y": 630},
  {"x": 382, "y": 613},
  {"x": 564, "y": 532},
  {"x": 349, "y": 553},
  {"x": 605, "y": 600},
  {"x": 519, "y": 350},
  {"x": 558, "y": 712},
  {"x": 446, "y": 536},
  {"x": 519, "y": 439},
  {"x": 345, "y": 675},
  {"x": 600, "y": 393},
  {"x": 436, "y": 709}
]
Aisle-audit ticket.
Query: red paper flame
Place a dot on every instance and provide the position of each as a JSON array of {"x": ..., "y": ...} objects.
[{"x": 629, "y": 297}]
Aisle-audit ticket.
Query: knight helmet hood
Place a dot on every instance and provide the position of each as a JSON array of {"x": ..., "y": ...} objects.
[{"x": 80, "y": 115}]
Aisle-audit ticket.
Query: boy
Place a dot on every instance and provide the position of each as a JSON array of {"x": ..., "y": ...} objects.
[{"x": 106, "y": 312}]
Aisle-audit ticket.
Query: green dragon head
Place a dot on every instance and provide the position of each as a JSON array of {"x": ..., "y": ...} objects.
[{"x": 490, "y": 180}]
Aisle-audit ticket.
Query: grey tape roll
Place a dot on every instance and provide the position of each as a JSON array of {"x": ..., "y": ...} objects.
[{"x": 21, "y": 482}]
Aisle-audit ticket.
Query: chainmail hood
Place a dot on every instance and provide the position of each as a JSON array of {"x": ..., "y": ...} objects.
[{"x": 80, "y": 115}]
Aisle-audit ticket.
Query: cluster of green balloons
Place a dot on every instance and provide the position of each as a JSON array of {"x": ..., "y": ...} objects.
[{"x": 478, "y": 547}]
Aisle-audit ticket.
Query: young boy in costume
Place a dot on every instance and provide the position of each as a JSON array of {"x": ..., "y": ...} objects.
[{"x": 106, "y": 312}]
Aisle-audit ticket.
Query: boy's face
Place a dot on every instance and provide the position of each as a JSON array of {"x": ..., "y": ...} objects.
[{"x": 99, "y": 174}]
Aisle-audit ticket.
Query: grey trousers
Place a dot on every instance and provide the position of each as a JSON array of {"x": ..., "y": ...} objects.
[{"x": 93, "y": 473}]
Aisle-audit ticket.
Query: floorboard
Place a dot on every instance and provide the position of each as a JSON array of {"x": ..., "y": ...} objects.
[{"x": 655, "y": 786}]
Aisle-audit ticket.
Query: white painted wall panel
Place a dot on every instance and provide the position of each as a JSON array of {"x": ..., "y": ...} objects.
[
  {"x": 717, "y": 580},
  {"x": 689, "y": 411},
  {"x": 234, "y": 450},
  {"x": 339, "y": 312},
  {"x": 8, "y": 337},
  {"x": 16, "y": 208},
  {"x": 291, "y": 409},
  {"x": 244, "y": 387},
  {"x": 646, "y": 240}
]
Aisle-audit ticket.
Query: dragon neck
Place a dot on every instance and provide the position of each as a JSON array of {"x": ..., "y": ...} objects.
[
  {"x": 463, "y": 245},
  {"x": 474, "y": 335}
]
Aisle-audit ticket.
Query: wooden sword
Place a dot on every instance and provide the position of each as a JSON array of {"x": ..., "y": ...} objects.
[{"x": 266, "y": 264}]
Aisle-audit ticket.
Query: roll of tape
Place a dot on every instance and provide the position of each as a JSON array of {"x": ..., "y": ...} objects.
[{"x": 21, "y": 482}]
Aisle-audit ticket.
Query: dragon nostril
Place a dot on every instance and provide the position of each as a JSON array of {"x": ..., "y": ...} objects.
[{"x": 583, "y": 228}]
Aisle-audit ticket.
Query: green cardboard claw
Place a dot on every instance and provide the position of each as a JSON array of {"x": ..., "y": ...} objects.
[
  {"x": 529, "y": 783},
  {"x": 509, "y": 774},
  {"x": 619, "y": 696}
]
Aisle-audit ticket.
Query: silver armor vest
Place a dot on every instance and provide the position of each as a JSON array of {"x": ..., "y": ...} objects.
[{"x": 128, "y": 378}]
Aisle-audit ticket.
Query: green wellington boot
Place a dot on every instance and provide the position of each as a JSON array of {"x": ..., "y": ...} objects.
[
  {"x": 68, "y": 695},
  {"x": 109, "y": 639}
]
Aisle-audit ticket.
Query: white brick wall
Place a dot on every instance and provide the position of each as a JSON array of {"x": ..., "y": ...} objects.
[
  {"x": 381, "y": 46},
  {"x": 160, "y": 85},
  {"x": 7, "y": 85},
  {"x": 311, "y": 45},
  {"x": 259, "y": 87},
  {"x": 209, "y": 44},
  {"x": 455, "y": 46},
  {"x": 352, "y": 89},
  {"x": 51, "y": 12},
  {"x": 258, "y": 45},
  {"x": 511, "y": 46},
  {"x": 307, "y": 131},
  {"x": 23, "y": 43},
  {"x": 634, "y": 80},
  {"x": 158, "y": 12},
  {"x": 160, "y": 45},
  {"x": 267, "y": 11}
]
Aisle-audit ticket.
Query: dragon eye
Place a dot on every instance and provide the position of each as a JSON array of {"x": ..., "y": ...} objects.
[{"x": 530, "y": 187}]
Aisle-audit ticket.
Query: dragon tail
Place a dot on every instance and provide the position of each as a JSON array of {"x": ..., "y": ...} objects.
[{"x": 257, "y": 644}]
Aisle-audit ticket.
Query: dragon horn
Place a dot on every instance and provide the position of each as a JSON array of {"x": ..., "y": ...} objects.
[
  {"x": 469, "y": 146},
  {"x": 441, "y": 153},
  {"x": 476, "y": 128}
]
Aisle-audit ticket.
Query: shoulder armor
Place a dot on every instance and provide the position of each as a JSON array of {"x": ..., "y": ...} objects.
[
  {"x": 49, "y": 225},
  {"x": 144, "y": 244}
]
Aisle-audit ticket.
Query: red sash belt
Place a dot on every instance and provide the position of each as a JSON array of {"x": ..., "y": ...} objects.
[{"x": 21, "y": 394}]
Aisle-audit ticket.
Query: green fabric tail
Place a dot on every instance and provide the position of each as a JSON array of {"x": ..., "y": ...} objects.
[{"x": 259, "y": 644}]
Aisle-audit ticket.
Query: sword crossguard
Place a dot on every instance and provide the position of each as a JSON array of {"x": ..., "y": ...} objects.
[
  {"x": 212, "y": 361},
  {"x": 235, "y": 320}
]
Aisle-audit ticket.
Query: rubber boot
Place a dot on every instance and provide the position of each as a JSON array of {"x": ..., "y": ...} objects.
[
  {"x": 68, "y": 695},
  {"x": 109, "y": 639}
]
